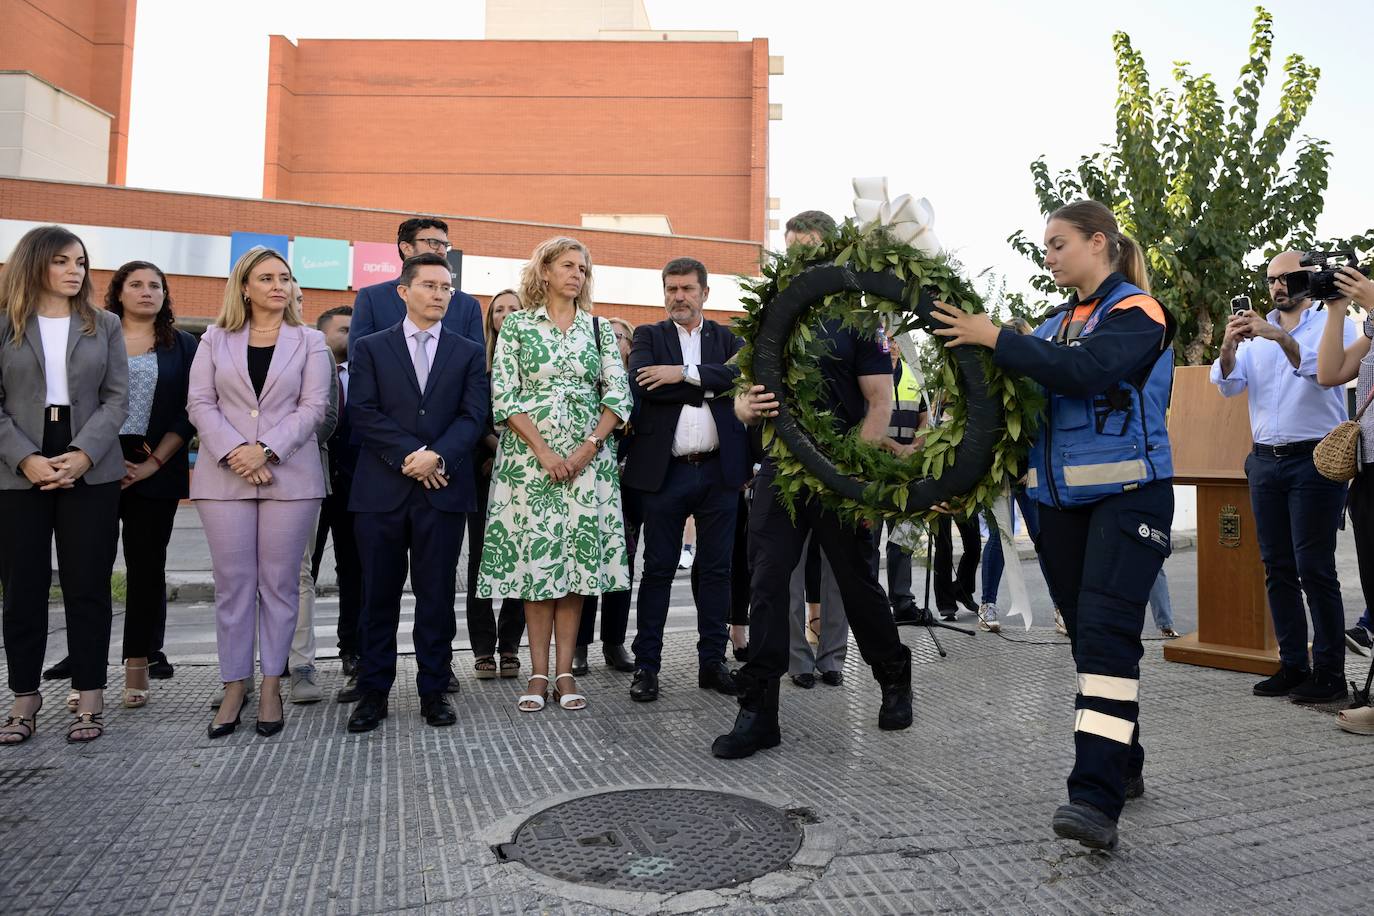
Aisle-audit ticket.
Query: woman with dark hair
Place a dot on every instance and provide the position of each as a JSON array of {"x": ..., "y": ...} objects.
[
  {"x": 491, "y": 634},
  {"x": 63, "y": 398},
  {"x": 1102, "y": 472},
  {"x": 154, "y": 441}
]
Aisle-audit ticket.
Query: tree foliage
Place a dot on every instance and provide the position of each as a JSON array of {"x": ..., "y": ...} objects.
[{"x": 1208, "y": 191}]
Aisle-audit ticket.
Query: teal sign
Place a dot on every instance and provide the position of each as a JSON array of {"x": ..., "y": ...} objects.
[{"x": 320, "y": 263}]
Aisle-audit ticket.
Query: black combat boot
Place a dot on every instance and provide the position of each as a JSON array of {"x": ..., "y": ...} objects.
[
  {"x": 895, "y": 679},
  {"x": 756, "y": 726}
]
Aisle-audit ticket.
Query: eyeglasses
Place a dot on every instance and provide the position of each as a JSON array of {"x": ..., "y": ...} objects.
[
  {"x": 437, "y": 245},
  {"x": 430, "y": 286},
  {"x": 1272, "y": 280}
]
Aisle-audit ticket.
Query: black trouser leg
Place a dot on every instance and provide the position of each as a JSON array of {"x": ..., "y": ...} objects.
[
  {"x": 1102, "y": 560},
  {"x": 146, "y": 530},
  {"x": 86, "y": 531},
  {"x": 972, "y": 539},
  {"x": 943, "y": 565},
  {"x": 26, "y": 572},
  {"x": 739, "y": 567},
  {"x": 852, "y": 556},
  {"x": 776, "y": 543}
]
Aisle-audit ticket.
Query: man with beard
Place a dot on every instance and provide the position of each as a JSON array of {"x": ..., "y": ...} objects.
[{"x": 1297, "y": 510}]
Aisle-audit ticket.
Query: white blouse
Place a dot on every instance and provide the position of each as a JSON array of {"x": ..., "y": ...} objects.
[{"x": 54, "y": 332}]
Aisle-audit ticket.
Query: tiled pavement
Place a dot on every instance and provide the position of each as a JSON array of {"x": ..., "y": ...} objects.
[{"x": 1252, "y": 806}]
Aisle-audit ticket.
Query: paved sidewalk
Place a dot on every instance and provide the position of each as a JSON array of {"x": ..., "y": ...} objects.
[{"x": 1253, "y": 805}]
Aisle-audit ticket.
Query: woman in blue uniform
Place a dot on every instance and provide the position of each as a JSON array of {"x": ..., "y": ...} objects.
[{"x": 1102, "y": 473}]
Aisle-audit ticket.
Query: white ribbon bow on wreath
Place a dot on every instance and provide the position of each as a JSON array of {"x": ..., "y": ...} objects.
[{"x": 912, "y": 221}]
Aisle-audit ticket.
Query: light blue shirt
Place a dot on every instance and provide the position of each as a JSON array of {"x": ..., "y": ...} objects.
[{"x": 1286, "y": 404}]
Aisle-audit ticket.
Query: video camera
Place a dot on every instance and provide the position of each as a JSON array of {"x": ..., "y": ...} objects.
[{"x": 1320, "y": 284}]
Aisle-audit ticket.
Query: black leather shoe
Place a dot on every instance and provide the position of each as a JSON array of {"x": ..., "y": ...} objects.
[
  {"x": 453, "y": 685},
  {"x": 895, "y": 680},
  {"x": 832, "y": 678},
  {"x": 756, "y": 725},
  {"x": 437, "y": 710},
  {"x": 1087, "y": 825},
  {"x": 220, "y": 731},
  {"x": 905, "y": 613},
  {"x": 644, "y": 687},
  {"x": 804, "y": 681},
  {"x": 268, "y": 729},
  {"x": 60, "y": 671},
  {"x": 369, "y": 712},
  {"x": 159, "y": 669},
  {"x": 579, "y": 662},
  {"x": 718, "y": 677},
  {"x": 965, "y": 597},
  {"x": 1135, "y": 785},
  {"x": 949, "y": 613},
  {"x": 1320, "y": 687},
  {"x": 349, "y": 692},
  {"x": 350, "y": 665},
  {"x": 1281, "y": 683},
  {"x": 617, "y": 658}
]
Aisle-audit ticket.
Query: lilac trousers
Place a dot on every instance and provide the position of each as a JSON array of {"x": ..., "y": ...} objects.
[{"x": 255, "y": 548}]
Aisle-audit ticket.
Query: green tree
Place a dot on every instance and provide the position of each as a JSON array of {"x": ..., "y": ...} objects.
[{"x": 1208, "y": 192}]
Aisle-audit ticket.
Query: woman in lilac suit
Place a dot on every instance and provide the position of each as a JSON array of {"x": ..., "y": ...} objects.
[{"x": 259, "y": 389}]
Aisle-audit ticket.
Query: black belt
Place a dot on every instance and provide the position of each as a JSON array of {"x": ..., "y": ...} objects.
[
  {"x": 1287, "y": 449},
  {"x": 698, "y": 457}
]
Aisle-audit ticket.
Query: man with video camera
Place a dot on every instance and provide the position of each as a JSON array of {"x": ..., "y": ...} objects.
[{"x": 1297, "y": 510}]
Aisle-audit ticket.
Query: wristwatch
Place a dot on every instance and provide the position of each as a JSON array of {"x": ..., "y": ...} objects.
[
  {"x": 269, "y": 454},
  {"x": 596, "y": 440}
]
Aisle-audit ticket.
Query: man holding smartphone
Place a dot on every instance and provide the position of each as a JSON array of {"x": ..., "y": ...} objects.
[{"x": 1297, "y": 510}]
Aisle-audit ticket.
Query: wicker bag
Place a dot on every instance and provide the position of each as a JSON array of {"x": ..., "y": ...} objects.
[{"x": 1337, "y": 455}]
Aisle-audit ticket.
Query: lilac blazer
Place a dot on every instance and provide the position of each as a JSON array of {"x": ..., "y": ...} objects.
[{"x": 227, "y": 413}]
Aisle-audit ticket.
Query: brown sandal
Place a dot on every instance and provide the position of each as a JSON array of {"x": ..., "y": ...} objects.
[
  {"x": 484, "y": 669},
  {"x": 86, "y": 721},
  {"x": 510, "y": 665},
  {"x": 29, "y": 724}
]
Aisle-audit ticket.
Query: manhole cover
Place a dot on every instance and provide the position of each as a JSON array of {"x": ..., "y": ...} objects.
[{"x": 657, "y": 840}]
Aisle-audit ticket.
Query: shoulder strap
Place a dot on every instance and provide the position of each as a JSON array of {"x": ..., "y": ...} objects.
[{"x": 596, "y": 332}]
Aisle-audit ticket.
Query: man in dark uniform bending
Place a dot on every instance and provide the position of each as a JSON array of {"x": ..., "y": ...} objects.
[{"x": 858, "y": 390}]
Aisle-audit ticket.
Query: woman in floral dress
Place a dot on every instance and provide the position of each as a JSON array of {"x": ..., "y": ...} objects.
[{"x": 554, "y": 529}]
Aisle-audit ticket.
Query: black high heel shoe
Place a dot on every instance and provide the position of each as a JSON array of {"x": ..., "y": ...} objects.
[
  {"x": 268, "y": 729},
  {"x": 219, "y": 731}
]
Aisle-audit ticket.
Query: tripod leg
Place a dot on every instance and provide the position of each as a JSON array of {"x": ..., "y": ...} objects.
[{"x": 930, "y": 631}]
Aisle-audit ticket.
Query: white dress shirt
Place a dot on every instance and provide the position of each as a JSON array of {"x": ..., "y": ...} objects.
[
  {"x": 1286, "y": 404},
  {"x": 53, "y": 332},
  {"x": 696, "y": 428}
]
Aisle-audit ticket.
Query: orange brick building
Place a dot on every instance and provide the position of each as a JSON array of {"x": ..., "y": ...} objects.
[
  {"x": 83, "y": 47},
  {"x": 546, "y": 131},
  {"x": 116, "y": 216}
]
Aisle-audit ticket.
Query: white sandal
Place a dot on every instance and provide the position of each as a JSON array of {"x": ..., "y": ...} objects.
[
  {"x": 535, "y": 699},
  {"x": 568, "y": 700}
]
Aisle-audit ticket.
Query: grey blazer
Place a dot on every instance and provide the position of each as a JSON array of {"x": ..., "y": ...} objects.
[{"x": 98, "y": 381}]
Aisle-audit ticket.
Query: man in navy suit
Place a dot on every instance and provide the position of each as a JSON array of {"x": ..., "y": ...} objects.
[
  {"x": 379, "y": 306},
  {"x": 418, "y": 401},
  {"x": 688, "y": 457}
]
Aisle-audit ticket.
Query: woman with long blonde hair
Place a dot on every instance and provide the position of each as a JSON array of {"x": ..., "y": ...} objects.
[
  {"x": 64, "y": 394},
  {"x": 259, "y": 391},
  {"x": 554, "y": 530}
]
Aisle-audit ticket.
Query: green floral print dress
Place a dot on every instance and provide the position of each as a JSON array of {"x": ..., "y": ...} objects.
[{"x": 545, "y": 539}]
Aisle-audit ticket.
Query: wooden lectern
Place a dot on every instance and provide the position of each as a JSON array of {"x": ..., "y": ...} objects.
[{"x": 1210, "y": 437}]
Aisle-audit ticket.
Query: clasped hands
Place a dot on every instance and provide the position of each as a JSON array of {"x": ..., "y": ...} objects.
[
  {"x": 564, "y": 470},
  {"x": 423, "y": 465},
  {"x": 250, "y": 463},
  {"x": 60, "y": 472}
]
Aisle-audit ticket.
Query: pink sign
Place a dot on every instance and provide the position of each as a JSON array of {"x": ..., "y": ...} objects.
[{"x": 374, "y": 262}]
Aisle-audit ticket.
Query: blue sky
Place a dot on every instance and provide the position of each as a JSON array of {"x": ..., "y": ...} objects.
[{"x": 951, "y": 101}]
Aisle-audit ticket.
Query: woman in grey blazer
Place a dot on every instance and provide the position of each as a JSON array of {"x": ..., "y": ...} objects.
[{"x": 63, "y": 398}]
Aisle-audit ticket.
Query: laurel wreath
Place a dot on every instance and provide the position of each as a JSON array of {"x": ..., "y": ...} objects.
[{"x": 889, "y": 479}]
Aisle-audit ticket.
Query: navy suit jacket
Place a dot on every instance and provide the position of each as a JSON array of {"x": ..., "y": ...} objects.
[
  {"x": 651, "y": 446},
  {"x": 391, "y": 418},
  {"x": 379, "y": 306},
  {"x": 343, "y": 449},
  {"x": 172, "y": 480}
]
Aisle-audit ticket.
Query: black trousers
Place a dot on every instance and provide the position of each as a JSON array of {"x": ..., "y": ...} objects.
[
  {"x": 337, "y": 521},
  {"x": 1101, "y": 561},
  {"x": 614, "y": 606},
  {"x": 146, "y": 531},
  {"x": 948, "y": 583},
  {"x": 418, "y": 536},
  {"x": 85, "y": 522},
  {"x": 488, "y": 633},
  {"x": 1361, "y": 506},
  {"x": 775, "y": 547}
]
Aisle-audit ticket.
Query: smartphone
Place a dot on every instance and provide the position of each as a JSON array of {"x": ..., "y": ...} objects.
[{"x": 1240, "y": 304}]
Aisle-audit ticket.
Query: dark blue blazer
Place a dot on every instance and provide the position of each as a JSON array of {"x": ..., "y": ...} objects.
[
  {"x": 172, "y": 481},
  {"x": 651, "y": 447},
  {"x": 391, "y": 419},
  {"x": 343, "y": 449},
  {"x": 379, "y": 306}
]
